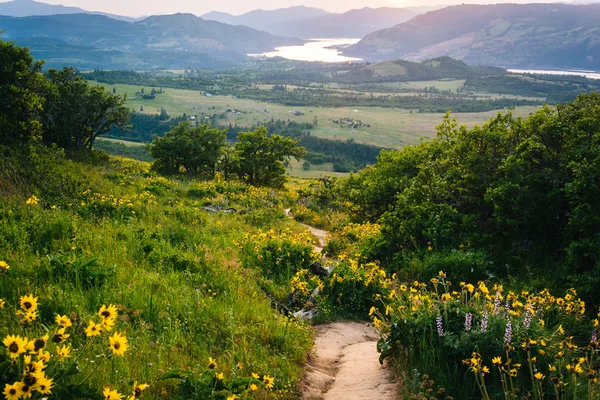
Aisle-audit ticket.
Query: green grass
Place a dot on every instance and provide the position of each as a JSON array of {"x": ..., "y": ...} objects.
[
  {"x": 388, "y": 127},
  {"x": 172, "y": 269}
]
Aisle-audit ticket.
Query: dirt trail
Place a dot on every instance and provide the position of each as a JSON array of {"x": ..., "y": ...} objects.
[{"x": 344, "y": 363}]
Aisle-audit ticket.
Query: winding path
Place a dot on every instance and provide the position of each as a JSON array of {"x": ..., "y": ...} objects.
[{"x": 344, "y": 363}]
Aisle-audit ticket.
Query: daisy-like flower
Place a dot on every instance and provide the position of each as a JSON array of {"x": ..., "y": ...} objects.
[
  {"x": 60, "y": 336},
  {"x": 2, "y": 303},
  {"x": 539, "y": 376},
  {"x": 12, "y": 392},
  {"x": 269, "y": 382},
  {"x": 220, "y": 376},
  {"x": 253, "y": 387},
  {"x": 38, "y": 344},
  {"x": 33, "y": 367},
  {"x": 44, "y": 385},
  {"x": 32, "y": 201},
  {"x": 28, "y": 317},
  {"x": 108, "y": 324},
  {"x": 118, "y": 344},
  {"x": 212, "y": 363},
  {"x": 138, "y": 389},
  {"x": 28, "y": 303},
  {"x": 15, "y": 345},
  {"x": 64, "y": 321},
  {"x": 111, "y": 394},
  {"x": 24, "y": 391},
  {"x": 93, "y": 329},
  {"x": 4, "y": 266},
  {"x": 255, "y": 375},
  {"x": 43, "y": 356},
  {"x": 109, "y": 312},
  {"x": 63, "y": 352},
  {"x": 497, "y": 360}
]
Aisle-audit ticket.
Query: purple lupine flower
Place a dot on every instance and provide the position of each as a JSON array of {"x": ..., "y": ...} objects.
[
  {"x": 468, "y": 321},
  {"x": 484, "y": 321},
  {"x": 507, "y": 306},
  {"x": 440, "y": 326},
  {"x": 595, "y": 336},
  {"x": 508, "y": 333},
  {"x": 527, "y": 319},
  {"x": 497, "y": 304}
]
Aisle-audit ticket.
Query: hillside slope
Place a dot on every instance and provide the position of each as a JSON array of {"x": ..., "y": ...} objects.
[
  {"x": 314, "y": 23},
  {"x": 27, "y": 8},
  {"x": 404, "y": 70},
  {"x": 509, "y": 35},
  {"x": 167, "y": 41}
]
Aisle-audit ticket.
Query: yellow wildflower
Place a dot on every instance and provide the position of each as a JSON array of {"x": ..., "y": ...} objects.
[
  {"x": 219, "y": 376},
  {"x": 539, "y": 376},
  {"x": 12, "y": 392},
  {"x": 4, "y": 266},
  {"x": 63, "y": 352},
  {"x": 93, "y": 329},
  {"x": 212, "y": 363},
  {"x": 64, "y": 321},
  {"x": 15, "y": 345},
  {"x": 118, "y": 344},
  {"x": 497, "y": 360},
  {"x": 111, "y": 394},
  {"x": 28, "y": 303},
  {"x": 269, "y": 382}
]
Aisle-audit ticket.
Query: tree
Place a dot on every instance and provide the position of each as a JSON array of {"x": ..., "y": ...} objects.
[
  {"x": 193, "y": 149},
  {"x": 306, "y": 166},
  {"x": 21, "y": 102},
  {"x": 261, "y": 157},
  {"x": 77, "y": 113}
]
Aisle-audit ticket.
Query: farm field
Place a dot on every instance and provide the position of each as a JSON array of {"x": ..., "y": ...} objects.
[{"x": 387, "y": 127}]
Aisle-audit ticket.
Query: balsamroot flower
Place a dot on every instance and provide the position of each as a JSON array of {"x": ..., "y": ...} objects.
[{"x": 118, "y": 344}]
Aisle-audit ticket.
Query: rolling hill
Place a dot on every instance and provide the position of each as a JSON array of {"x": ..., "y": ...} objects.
[
  {"x": 314, "y": 23},
  {"x": 508, "y": 35},
  {"x": 27, "y": 8},
  {"x": 166, "y": 41},
  {"x": 404, "y": 71}
]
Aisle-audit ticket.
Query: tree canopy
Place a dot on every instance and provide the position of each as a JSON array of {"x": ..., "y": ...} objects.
[
  {"x": 522, "y": 192},
  {"x": 262, "y": 157},
  {"x": 21, "y": 101},
  {"x": 194, "y": 149}
]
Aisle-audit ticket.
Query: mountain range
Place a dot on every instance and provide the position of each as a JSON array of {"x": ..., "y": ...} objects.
[
  {"x": 507, "y": 35},
  {"x": 28, "y": 8},
  {"x": 166, "y": 41},
  {"x": 307, "y": 22}
]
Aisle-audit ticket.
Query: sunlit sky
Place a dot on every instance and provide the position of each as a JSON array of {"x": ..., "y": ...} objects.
[{"x": 236, "y": 7}]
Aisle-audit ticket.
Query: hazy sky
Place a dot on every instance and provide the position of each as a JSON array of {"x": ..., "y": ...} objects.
[{"x": 145, "y": 7}]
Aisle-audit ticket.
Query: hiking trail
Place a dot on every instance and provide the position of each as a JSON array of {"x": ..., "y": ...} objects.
[{"x": 344, "y": 363}]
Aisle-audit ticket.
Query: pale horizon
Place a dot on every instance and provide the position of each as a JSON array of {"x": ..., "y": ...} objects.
[{"x": 138, "y": 8}]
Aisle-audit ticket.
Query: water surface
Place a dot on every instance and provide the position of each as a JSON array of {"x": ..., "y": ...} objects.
[
  {"x": 313, "y": 50},
  {"x": 587, "y": 74}
]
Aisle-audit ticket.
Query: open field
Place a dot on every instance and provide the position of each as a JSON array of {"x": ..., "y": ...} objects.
[{"x": 387, "y": 127}]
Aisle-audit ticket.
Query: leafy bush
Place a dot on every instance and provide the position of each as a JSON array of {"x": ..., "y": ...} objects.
[{"x": 489, "y": 342}]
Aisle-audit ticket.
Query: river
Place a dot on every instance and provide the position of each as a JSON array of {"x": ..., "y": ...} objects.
[
  {"x": 313, "y": 50},
  {"x": 587, "y": 74}
]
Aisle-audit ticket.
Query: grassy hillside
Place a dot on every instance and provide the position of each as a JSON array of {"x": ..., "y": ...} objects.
[{"x": 116, "y": 234}]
